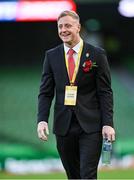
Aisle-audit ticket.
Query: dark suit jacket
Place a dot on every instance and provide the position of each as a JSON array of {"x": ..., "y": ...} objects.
[{"x": 94, "y": 107}]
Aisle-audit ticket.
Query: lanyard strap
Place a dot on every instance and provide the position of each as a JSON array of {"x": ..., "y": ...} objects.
[{"x": 76, "y": 64}]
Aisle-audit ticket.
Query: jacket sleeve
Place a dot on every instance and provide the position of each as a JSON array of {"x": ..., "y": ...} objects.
[
  {"x": 46, "y": 91},
  {"x": 104, "y": 90}
]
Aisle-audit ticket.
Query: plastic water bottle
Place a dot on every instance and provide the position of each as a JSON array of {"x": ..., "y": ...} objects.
[{"x": 106, "y": 152}]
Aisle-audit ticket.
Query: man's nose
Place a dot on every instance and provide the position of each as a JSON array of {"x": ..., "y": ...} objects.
[{"x": 63, "y": 29}]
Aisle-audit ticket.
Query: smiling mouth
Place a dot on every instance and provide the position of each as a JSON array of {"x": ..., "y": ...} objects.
[{"x": 65, "y": 36}]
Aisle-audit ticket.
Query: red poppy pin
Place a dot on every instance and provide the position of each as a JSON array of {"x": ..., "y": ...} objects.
[{"x": 88, "y": 65}]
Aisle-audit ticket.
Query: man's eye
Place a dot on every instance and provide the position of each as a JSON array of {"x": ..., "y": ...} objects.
[
  {"x": 60, "y": 27},
  {"x": 68, "y": 26}
]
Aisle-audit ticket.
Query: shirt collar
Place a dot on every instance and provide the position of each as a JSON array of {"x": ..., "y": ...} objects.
[{"x": 76, "y": 48}]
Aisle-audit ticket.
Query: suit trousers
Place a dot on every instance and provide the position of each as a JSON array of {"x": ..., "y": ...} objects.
[{"x": 79, "y": 151}]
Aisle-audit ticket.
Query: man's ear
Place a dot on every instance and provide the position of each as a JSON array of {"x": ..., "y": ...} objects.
[{"x": 79, "y": 27}]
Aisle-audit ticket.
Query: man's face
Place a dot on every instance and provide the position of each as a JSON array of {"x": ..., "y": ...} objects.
[{"x": 68, "y": 30}]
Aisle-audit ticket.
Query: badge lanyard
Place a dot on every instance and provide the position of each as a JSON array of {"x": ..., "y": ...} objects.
[{"x": 76, "y": 64}]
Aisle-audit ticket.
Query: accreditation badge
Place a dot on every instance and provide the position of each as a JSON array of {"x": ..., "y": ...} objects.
[{"x": 70, "y": 95}]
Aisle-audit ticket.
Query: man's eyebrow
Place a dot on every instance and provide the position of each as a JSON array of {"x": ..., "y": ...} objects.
[{"x": 64, "y": 24}]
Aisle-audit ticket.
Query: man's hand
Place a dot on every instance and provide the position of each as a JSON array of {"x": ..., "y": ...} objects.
[
  {"x": 42, "y": 130},
  {"x": 108, "y": 132}
]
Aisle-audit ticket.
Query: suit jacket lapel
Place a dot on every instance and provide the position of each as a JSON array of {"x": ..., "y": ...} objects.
[
  {"x": 86, "y": 49},
  {"x": 82, "y": 59},
  {"x": 63, "y": 64}
]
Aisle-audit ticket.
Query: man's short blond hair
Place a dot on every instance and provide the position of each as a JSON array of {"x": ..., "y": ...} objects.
[{"x": 73, "y": 14}]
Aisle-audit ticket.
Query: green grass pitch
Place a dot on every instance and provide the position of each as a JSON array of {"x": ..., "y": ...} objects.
[{"x": 103, "y": 174}]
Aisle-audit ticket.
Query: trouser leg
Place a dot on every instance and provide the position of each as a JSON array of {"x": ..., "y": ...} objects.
[
  {"x": 69, "y": 155},
  {"x": 68, "y": 148},
  {"x": 90, "y": 149}
]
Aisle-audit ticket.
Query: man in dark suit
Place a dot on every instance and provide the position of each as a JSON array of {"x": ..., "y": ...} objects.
[{"x": 78, "y": 73}]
